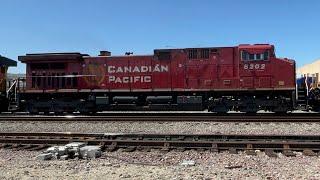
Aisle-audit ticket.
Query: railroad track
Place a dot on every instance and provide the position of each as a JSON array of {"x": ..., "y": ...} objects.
[
  {"x": 169, "y": 118},
  {"x": 287, "y": 144}
]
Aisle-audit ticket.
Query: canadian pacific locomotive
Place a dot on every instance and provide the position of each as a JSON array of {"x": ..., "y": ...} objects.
[{"x": 243, "y": 78}]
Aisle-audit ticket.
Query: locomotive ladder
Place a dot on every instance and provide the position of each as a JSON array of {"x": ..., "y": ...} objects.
[
  {"x": 12, "y": 94},
  {"x": 302, "y": 103}
]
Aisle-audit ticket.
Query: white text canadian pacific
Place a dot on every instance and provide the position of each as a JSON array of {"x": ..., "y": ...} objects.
[{"x": 134, "y": 78}]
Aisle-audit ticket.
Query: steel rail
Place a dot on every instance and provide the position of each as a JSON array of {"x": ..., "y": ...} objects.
[
  {"x": 164, "y": 118},
  {"x": 213, "y": 142}
]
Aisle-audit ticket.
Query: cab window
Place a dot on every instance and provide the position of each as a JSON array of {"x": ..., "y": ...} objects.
[{"x": 246, "y": 56}]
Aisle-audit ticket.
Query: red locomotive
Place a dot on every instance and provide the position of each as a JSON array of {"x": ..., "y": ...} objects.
[{"x": 244, "y": 78}]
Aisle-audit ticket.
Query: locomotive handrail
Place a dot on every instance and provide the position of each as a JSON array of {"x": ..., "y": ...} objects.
[{"x": 11, "y": 87}]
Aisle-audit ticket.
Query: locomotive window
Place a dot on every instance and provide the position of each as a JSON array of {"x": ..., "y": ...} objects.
[
  {"x": 245, "y": 56},
  {"x": 258, "y": 56},
  {"x": 204, "y": 54},
  {"x": 193, "y": 54},
  {"x": 251, "y": 56},
  {"x": 266, "y": 55}
]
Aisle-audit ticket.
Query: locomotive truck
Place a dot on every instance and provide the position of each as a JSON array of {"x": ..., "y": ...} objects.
[{"x": 244, "y": 78}]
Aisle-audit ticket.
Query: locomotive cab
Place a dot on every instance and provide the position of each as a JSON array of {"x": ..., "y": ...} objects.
[{"x": 271, "y": 79}]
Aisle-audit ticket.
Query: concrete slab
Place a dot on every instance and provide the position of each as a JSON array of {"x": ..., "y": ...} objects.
[
  {"x": 64, "y": 157},
  {"x": 90, "y": 152},
  {"x": 188, "y": 163},
  {"x": 75, "y": 144},
  {"x": 57, "y": 150},
  {"x": 45, "y": 156}
]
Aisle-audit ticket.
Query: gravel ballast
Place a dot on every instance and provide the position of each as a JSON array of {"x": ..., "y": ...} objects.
[
  {"x": 163, "y": 127},
  {"x": 158, "y": 165}
]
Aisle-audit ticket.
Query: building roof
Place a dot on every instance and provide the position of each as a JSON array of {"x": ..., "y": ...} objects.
[
  {"x": 311, "y": 68},
  {"x": 7, "y": 62}
]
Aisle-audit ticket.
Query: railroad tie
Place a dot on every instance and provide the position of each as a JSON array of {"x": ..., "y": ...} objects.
[
  {"x": 130, "y": 149},
  {"x": 309, "y": 152},
  {"x": 250, "y": 151},
  {"x": 214, "y": 148},
  {"x": 287, "y": 151},
  {"x": 233, "y": 151},
  {"x": 270, "y": 153},
  {"x": 112, "y": 147},
  {"x": 165, "y": 148},
  {"x": 181, "y": 149},
  {"x": 3, "y": 146}
]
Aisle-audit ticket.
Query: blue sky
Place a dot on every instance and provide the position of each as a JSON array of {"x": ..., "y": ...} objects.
[{"x": 140, "y": 26}]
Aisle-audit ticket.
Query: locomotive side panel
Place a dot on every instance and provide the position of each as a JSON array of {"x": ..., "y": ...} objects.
[
  {"x": 141, "y": 80},
  {"x": 178, "y": 70},
  {"x": 162, "y": 80},
  {"x": 283, "y": 74},
  {"x": 93, "y": 75},
  {"x": 200, "y": 69},
  {"x": 228, "y": 78}
]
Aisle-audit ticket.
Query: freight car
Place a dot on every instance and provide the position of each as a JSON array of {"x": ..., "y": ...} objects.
[
  {"x": 243, "y": 78},
  {"x": 4, "y": 64}
]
